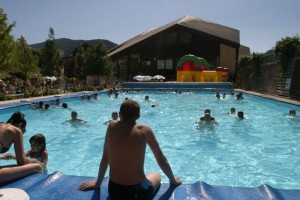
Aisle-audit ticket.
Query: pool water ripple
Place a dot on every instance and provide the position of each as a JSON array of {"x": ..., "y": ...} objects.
[{"x": 263, "y": 149}]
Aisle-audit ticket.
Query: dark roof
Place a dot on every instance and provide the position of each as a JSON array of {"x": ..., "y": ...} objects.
[{"x": 195, "y": 23}]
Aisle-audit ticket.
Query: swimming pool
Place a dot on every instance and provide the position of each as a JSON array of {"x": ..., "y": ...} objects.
[{"x": 263, "y": 149}]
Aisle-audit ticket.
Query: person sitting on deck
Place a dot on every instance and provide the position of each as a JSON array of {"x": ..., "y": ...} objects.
[{"x": 124, "y": 152}]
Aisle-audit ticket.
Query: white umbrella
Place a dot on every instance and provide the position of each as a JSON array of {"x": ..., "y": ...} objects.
[
  {"x": 147, "y": 78},
  {"x": 53, "y": 78},
  {"x": 138, "y": 77},
  {"x": 47, "y": 77},
  {"x": 159, "y": 77},
  {"x": 142, "y": 78}
]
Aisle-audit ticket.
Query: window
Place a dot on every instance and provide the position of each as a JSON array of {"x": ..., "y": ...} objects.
[
  {"x": 165, "y": 64},
  {"x": 169, "y": 64},
  {"x": 160, "y": 64}
]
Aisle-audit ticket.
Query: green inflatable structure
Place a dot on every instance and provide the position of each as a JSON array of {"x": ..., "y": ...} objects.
[{"x": 198, "y": 61}]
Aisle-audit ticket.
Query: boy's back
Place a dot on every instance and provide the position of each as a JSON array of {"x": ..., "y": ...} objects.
[{"x": 126, "y": 151}]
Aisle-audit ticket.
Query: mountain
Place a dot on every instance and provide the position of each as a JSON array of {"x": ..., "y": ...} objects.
[{"x": 68, "y": 45}]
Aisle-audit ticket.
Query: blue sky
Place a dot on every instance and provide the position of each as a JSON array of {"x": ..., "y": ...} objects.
[{"x": 261, "y": 22}]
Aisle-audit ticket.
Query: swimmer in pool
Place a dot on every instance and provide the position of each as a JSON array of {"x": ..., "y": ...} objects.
[
  {"x": 207, "y": 118},
  {"x": 114, "y": 116},
  {"x": 74, "y": 118},
  {"x": 232, "y": 111},
  {"x": 240, "y": 115}
]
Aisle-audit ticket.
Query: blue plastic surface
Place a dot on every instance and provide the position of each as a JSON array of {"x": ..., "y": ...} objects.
[{"x": 58, "y": 186}]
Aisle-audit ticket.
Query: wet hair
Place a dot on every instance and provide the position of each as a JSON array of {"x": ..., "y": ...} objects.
[
  {"x": 292, "y": 112},
  {"x": 115, "y": 114},
  {"x": 18, "y": 118},
  {"x": 46, "y": 106},
  {"x": 39, "y": 139},
  {"x": 65, "y": 105},
  {"x": 74, "y": 113},
  {"x": 207, "y": 110},
  {"x": 240, "y": 114},
  {"x": 130, "y": 110}
]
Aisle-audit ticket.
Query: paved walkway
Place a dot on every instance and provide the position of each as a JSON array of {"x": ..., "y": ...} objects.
[{"x": 277, "y": 98}]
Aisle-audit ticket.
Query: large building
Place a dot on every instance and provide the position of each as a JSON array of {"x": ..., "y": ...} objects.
[{"x": 157, "y": 51}]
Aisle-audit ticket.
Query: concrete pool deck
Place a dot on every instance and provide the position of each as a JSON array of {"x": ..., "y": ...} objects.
[
  {"x": 268, "y": 96},
  {"x": 66, "y": 95}
]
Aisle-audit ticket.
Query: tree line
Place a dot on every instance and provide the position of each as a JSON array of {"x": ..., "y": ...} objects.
[{"x": 18, "y": 59}]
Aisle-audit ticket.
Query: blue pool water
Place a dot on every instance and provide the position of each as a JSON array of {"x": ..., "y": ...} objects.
[{"x": 263, "y": 149}]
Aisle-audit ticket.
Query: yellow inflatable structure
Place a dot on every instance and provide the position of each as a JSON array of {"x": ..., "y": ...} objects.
[{"x": 194, "y": 69}]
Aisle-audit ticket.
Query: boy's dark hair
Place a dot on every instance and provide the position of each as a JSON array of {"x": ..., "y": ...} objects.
[
  {"x": 40, "y": 139},
  {"x": 130, "y": 110},
  {"x": 65, "y": 105}
]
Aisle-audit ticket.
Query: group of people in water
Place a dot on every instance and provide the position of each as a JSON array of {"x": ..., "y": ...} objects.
[
  {"x": 207, "y": 117},
  {"x": 123, "y": 152}
]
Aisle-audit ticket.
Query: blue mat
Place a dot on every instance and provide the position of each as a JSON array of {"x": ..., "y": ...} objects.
[{"x": 57, "y": 186}]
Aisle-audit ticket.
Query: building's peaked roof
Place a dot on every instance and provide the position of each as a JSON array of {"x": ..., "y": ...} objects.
[
  {"x": 210, "y": 28},
  {"x": 195, "y": 23}
]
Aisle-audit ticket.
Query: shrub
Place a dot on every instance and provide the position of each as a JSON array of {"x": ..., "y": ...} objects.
[
  {"x": 2, "y": 97},
  {"x": 286, "y": 49},
  {"x": 90, "y": 88}
]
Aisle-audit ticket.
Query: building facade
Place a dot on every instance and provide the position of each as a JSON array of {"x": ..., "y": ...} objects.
[{"x": 158, "y": 51}]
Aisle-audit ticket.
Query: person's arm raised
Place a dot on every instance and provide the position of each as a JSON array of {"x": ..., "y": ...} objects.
[{"x": 161, "y": 159}]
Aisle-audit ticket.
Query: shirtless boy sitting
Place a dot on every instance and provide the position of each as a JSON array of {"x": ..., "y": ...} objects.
[{"x": 124, "y": 152}]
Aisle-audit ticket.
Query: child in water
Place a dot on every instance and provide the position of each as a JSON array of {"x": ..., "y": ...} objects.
[
  {"x": 38, "y": 152},
  {"x": 114, "y": 116}
]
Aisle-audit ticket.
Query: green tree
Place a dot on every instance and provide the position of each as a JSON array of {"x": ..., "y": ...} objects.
[
  {"x": 256, "y": 59},
  {"x": 81, "y": 55},
  {"x": 25, "y": 62},
  {"x": 286, "y": 49},
  {"x": 93, "y": 60},
  {"x": 51, "y": 57},
  {"x": 7, "y": 42}
]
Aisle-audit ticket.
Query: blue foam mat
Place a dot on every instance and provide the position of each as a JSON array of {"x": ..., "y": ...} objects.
[{"x": 57, "y": 186}]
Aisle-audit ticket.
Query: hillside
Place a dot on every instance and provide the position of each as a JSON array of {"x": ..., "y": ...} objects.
[{"x": 68, "y": 45}]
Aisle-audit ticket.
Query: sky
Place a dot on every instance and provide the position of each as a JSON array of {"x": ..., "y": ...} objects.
[{"x": 261, "y": 22}]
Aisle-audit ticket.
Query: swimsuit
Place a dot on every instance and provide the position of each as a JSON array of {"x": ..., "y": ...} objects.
[
  {"x": 141, "y": 191},
  {"x": 4, "y": 149}
]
